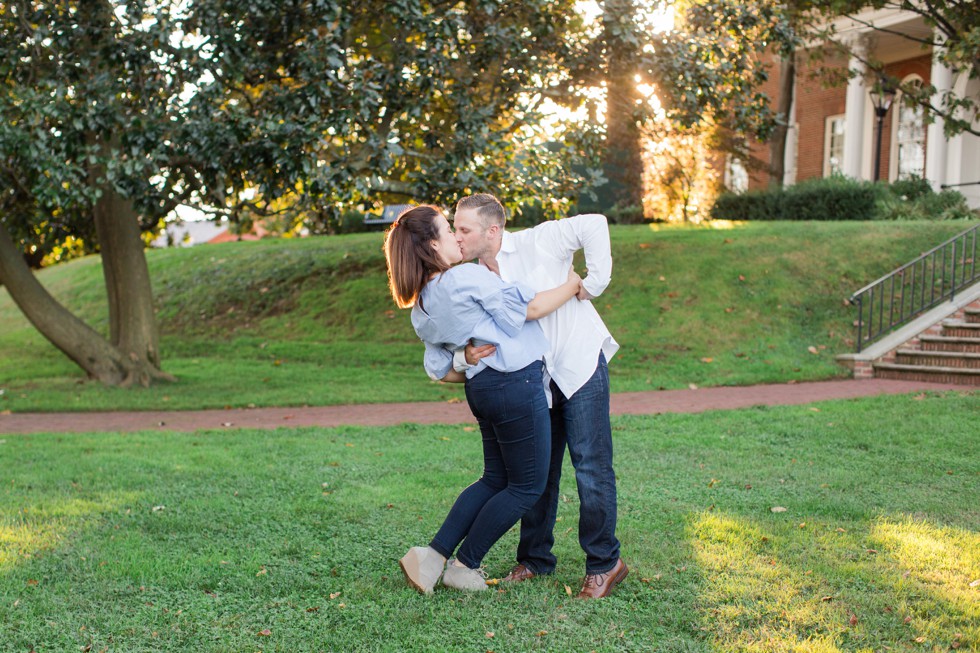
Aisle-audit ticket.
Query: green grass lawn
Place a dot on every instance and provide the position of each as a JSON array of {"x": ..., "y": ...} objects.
[
  {"x": 309, "y": 321},
  {"x": 288, "y": 540}
]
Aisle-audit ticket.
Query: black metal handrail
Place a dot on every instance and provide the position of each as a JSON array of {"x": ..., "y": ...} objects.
[{"x": 917, "y": 286}]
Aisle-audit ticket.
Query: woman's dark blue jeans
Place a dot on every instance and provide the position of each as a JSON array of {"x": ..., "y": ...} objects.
[{"x": 512, "y": 412}]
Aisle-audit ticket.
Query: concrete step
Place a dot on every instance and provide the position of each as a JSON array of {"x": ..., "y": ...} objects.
[
  {"x": 938, "y": 358},
  {"x": 957, "y": 375},
  {"x": 961, "y": 329},
  {"x": 943, "y": 343}
]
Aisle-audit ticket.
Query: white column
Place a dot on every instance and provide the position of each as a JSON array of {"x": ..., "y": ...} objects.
[
  {"x": 854, "y": 118},
  {"x": 936, "y": 144},
  {"x": 791, "y": 156}
]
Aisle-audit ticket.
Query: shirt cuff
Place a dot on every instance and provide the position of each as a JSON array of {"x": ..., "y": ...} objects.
[{"x": 459, "y": 360}]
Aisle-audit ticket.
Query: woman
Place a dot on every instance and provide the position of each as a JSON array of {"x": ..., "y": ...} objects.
[{"x": 450, "y": 306}]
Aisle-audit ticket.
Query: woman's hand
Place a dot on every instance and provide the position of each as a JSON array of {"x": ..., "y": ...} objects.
[{"x": 475, "y": 353}]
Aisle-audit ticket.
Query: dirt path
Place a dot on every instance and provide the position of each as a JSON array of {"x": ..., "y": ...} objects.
[{"x": 624, "y": 403}]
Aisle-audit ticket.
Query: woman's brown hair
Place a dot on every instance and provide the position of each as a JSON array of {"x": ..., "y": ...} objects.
[{"x": 411, "y": 258}]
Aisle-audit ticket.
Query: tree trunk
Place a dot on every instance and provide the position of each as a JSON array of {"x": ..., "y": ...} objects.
[
  {"x": 622, "y": 161},
  {"x": 132, "y": 322},
  {"x": 777, "y": 145},
  {"x": 74, "y": 338}
]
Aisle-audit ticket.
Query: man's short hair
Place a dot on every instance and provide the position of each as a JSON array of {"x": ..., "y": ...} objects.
[{"x": 488, "y": 208}]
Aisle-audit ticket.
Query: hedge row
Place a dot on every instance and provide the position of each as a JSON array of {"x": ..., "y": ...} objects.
[
  {"x": 843, "y": 198},
  {"x": 834, "y": 198}
]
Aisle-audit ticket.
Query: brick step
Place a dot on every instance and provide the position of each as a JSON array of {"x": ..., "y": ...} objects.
[
  {"x": 961, "y": 329},
  {"x": 972, "y": 315},
  {"x": 956, "y": 359},
  {"x": 942, "y": 343},
  {"x": 957, "y": 375}
]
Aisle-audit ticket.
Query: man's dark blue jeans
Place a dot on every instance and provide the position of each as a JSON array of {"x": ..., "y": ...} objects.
[
  {"x": 582, "y": 423},
  {"x": 512, "y": 411}
]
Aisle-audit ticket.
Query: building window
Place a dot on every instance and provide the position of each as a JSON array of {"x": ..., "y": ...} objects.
[
  {"x": 910, "y": 141},
  {"x": 736, "y": 175},
  {"x": 833, "y": 148}
]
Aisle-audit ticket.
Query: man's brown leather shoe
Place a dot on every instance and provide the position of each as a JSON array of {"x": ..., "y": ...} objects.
[
  {"x": 597, "y": 586},
  {"x": 519, "y": 573}
]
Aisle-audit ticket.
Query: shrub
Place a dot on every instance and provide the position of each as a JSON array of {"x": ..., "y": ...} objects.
[
  {"x": 911, "y": 188},
  {"x": 842, "y": 198},
  {"x": 831, "y": 198},
  {"x": 914, "y": 199},
  {"x": 753, "y": 205},
  {"x": 622, "y": 214}
]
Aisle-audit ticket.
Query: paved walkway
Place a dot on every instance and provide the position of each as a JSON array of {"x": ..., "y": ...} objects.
[{"x": 623, "y": 403}]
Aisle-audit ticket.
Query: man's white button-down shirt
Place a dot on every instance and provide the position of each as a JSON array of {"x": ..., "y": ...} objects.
[{"x": 540, "y": 258}]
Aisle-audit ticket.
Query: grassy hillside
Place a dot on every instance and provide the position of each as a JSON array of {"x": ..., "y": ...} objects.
[{"x": 309, "y": 321}]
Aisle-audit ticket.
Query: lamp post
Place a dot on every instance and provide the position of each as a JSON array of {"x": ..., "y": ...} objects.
[{"x": 882, "y": 95}]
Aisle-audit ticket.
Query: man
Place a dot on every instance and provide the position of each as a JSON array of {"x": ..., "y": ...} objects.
[{"x": 576, "y": 375}]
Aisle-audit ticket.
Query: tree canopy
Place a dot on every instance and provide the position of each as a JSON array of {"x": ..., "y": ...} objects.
[{"x": 116, "y": 111}]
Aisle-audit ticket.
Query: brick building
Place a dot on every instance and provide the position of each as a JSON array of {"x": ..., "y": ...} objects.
[{"x": 834, "y": 127}]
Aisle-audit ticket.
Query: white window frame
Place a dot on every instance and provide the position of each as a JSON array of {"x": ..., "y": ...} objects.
[
  {"x": 896, "y": 147},
  {"x": 829, "y": 146},
  {"x": 736, "y": 175}
]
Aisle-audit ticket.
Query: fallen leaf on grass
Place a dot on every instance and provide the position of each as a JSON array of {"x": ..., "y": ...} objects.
[
  {"x": 975, "y": 583},
  {"x": 853, "y": 620},
  {"x": 454, "y": 400},
  {"x": 334, "y": 595},
  {"x": 264, "y": 633},
  {"x": 812, "y": 349},
  {"x": 777, "y": 509},
  {"x": 568, "y": 590},
  {"x": 826, "y": 598},
  {"x": 542, "y": 633},
  {"x": 489, "y": 634}
]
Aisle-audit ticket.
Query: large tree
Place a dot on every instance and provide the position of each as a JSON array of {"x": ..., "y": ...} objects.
[{"x": 116, "y": 111}]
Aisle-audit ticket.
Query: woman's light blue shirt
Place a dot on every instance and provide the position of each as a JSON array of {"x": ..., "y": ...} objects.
[{"x": 469, "y": 301}]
